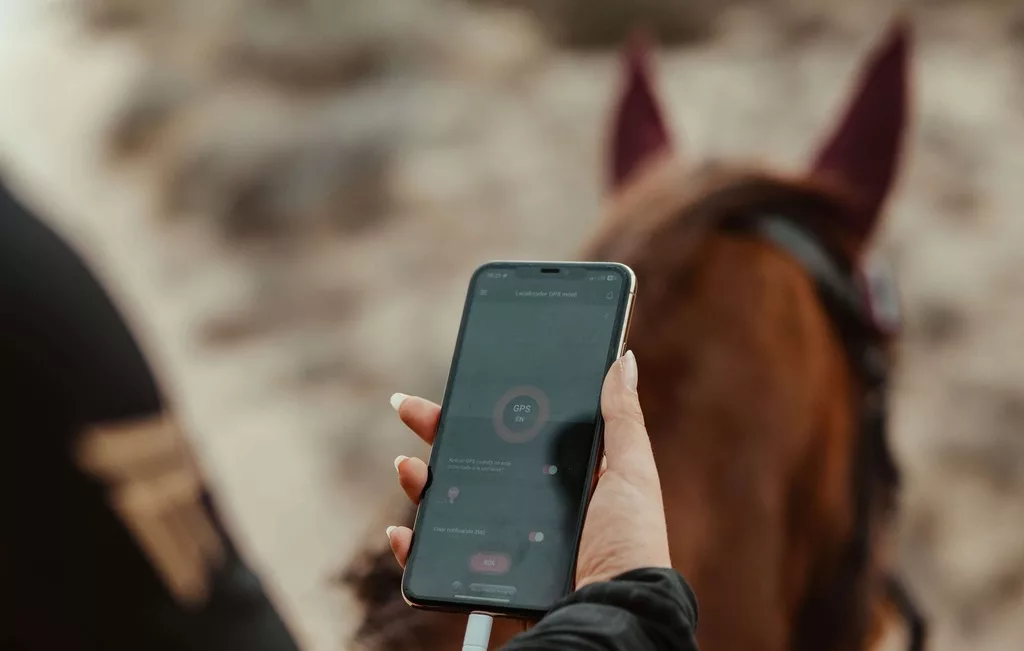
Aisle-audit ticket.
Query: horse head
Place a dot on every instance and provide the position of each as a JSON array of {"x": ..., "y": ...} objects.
[
  {"x": 763, "y": 349},
  {"x": 763, "y": 356}
]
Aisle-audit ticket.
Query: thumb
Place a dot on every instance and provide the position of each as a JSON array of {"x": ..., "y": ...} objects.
[{"x": 626, "y": 445}]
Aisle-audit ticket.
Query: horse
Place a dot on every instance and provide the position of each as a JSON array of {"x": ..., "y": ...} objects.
[{"x": 764, "y": 340}]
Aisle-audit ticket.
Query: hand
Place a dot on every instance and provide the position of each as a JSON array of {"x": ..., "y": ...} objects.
[{"x": 625, "y": 525}]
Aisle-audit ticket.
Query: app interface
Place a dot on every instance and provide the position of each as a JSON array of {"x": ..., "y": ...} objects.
[{"x": 498, "y": 521}]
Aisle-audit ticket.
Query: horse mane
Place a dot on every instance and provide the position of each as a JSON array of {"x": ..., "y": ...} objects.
[
  {"x": 375, "y": 579},
  {"x": 661, "y": 217}
]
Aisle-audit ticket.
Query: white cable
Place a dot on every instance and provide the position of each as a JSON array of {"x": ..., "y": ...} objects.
[{"x": 478, "y": 632}]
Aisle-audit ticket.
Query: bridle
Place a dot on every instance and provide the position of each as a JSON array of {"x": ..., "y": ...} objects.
[{"x": 863, "y": 306}]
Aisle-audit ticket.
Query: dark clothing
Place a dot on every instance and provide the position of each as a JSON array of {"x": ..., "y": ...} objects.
[
  {"x": 643, "y": 610},
  {"x": 72, "y": 576}
]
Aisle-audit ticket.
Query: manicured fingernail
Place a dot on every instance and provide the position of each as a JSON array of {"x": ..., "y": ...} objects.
[
  {"x": 399, "y": 459},
  {"x": 389, "y": 530},
  {"x": 629, "y": 372},
  {"x": 397, "y": 399}
]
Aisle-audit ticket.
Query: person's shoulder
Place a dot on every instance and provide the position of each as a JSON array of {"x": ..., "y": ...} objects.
[{"x": 61, "y": 309}]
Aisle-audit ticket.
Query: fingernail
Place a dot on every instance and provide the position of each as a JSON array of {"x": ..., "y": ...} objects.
[
  {"x": 389, "y": 530},
  {"x": 399, "y": 459},
  {"x": 397, "y": 399},
  {"x": 629, "y": 372}
]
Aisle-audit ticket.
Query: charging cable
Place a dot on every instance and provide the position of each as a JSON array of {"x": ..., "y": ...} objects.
[{"x": 478, "y": 632}]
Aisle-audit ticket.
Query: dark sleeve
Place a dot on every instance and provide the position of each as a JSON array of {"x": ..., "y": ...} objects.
[
  {"x": 56, "y": 309},
  {"x": 643, "y": 610},
  {"x": 76, "y": 576}
]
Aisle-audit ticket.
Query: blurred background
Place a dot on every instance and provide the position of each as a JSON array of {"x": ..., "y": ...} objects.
[{"x": 288, "y": 197}]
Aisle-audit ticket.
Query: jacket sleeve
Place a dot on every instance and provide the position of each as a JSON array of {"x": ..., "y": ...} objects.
[{"x": 642, "y": 610}]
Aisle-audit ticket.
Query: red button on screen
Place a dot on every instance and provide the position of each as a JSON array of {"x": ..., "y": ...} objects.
[{"x": 490, "y": 563}]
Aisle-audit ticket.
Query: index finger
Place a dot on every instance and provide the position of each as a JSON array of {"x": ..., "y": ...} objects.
[{"x": 418, "y": 414}]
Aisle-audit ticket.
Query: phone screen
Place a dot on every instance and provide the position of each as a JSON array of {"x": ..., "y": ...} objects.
[{"x": 511, "y": 465}]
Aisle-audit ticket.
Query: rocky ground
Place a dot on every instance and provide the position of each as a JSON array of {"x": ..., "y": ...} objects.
[{"x": 291, "y": 221}]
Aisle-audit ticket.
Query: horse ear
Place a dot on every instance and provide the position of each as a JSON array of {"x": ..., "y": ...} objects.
[
  {"x": 639, "y": 133},
  {"x": 864, "y": 150}
]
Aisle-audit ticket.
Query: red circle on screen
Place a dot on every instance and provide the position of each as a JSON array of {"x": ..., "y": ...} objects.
[{"x": 528, "y": 434}]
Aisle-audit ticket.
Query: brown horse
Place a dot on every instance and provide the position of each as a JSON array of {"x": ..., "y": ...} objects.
[{"x": 763, "y": 356}]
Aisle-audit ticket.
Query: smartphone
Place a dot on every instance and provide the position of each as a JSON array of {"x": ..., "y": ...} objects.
[{"x": 512, "y": 465}]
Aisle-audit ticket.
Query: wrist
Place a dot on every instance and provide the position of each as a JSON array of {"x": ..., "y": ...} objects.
[{"x": 611, "y": 575}]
